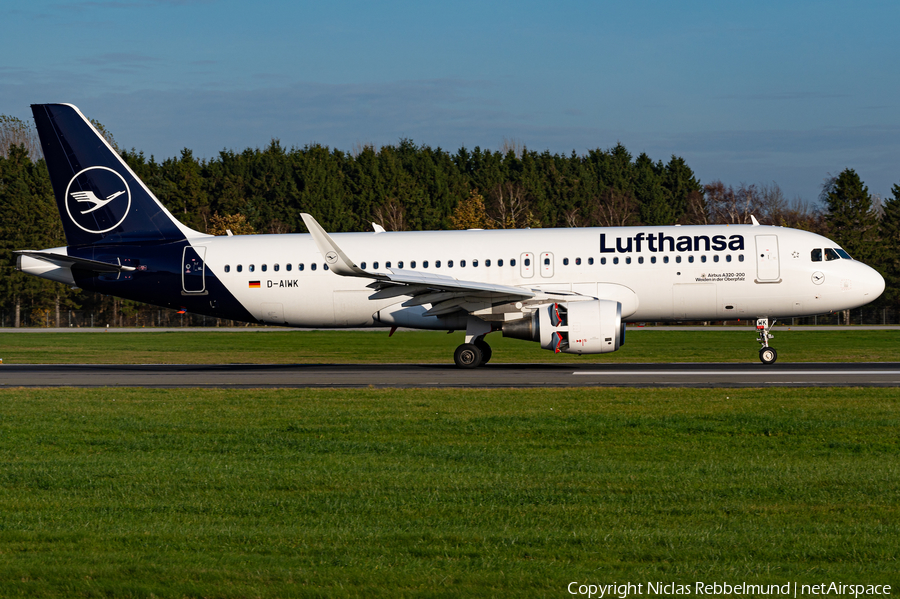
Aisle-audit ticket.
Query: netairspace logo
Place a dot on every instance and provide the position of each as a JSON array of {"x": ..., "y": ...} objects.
[{"x": 724, "y": 589}]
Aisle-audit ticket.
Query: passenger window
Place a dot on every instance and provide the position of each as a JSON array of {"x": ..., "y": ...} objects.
[
  {"x": 325, "y": 266},
  {"x": 500, "y": 262},
  {"x": 546, "y": 261},
  {"x": 565, "y": 261},
  {"x": 251, "y": 268},
  {"x": 449, "y": 263},
  {"x": 678, "y": 259},
  {"x": 240, "y": 267},
  {"x": 830, "y": 255},
  {"x": 715, "y": 257},
  {"x": 577, "y": 261},
  {"x": 412, "y": 264},
  {"x": 527, "y": 261},
  {"x": 640, "y": 259},
  {"x": 227, "y": 268},
  {"x": 627, "y": 259},
  {"x": 652, "y": 259},
  {"x": 275, "y": 267},
  {"x": 363, "y": 266},
  {"x": 741, "y": 258},
  {"x": 375, "y": 265},
  {"x": 616, "y": 260},
  {"x": 487, "y": 262},
  {"x": 603, "y": 260},
  {"x": 400, "y": 264},
  {"x": 691, "y": 259},
  {"x": 474, "y": 262},
  {"x": 312, "y": 266},
  {"x": 665, "y": 259},
  {"x": 462, "y": 263},
  {"x": 512, "y": 262},
  {"x": 264, "y": 268},
  {"x": 288, "y": 267},
  {"x": 437, "y": 263},
  {"x": 591, "y": 261},
  {"x": 703, "y": 258},
  {"x": 300, "y": 267},
  {"x": 387, "y": 264},
  {"x": 425, "y": 264},
  {"x": 728, "y": 258},
  {"x": 816, "y": 255}
]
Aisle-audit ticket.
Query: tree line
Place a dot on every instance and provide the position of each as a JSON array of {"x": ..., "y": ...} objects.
[{"x": 416, "y": 187}]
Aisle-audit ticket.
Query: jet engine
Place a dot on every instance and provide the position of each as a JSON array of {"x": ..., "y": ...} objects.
[{"x": 588, "y": 327}]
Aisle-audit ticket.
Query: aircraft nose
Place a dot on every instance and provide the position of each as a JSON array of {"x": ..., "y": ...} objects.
[{"x": 873, "y": 283}]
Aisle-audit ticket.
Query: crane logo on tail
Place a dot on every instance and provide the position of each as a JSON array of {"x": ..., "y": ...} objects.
[
  {"x": 98, "y": 199},
  {"x": 88, "y": 196}
]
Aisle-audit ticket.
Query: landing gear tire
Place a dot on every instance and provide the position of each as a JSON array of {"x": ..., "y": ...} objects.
[
  {"x": 768, "y": 355},
  {"x": 485, "y": 351},
  {"x": 468, "y": 355}
]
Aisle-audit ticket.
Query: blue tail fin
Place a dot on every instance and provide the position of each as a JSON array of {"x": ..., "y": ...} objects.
[{"x": 99, "y": 197}]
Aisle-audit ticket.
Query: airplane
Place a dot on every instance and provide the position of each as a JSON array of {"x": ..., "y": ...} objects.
[{"x": 570, "y": 290}]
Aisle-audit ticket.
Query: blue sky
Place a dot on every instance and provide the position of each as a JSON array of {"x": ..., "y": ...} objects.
[{"x": 755, "y": 92}]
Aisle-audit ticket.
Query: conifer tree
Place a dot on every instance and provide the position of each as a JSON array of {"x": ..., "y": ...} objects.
[
  {"x": 890, "y": 243},
  {"x": 28, "y": 220},
  {"x": 851, "y": 220}
]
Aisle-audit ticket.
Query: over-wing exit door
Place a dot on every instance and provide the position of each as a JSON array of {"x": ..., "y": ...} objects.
[
  {"x": 527, "y": 265},
  {"x": 546, "y": 264}
]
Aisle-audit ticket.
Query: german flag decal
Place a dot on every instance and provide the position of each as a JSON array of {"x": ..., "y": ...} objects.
[{"x": 254, "y": 284}]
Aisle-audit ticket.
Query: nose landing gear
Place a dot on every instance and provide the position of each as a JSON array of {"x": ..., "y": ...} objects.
[{"x": 767, "y": 355}]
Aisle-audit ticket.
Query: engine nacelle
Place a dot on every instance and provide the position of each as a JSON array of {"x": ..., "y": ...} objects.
[{"x": 589, "y": 327}]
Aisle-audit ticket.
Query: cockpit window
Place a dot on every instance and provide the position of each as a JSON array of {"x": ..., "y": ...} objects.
[
  {"x": 843, "y": 254},
  {"x": 831, "y": 254},
  {"x": 816, "y": 255}
]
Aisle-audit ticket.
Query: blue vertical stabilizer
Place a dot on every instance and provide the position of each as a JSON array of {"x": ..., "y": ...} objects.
[{"x": 99, "y": 197}]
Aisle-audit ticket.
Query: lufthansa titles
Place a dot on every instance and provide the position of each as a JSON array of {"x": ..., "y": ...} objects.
[{"x": 668, "y": 243}]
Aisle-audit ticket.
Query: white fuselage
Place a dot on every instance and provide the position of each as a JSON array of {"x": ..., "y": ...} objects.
[{"x": 769, "y": 272}]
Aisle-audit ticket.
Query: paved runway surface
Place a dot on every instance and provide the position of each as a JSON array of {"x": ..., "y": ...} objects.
[{"x": 440, "y": 375}]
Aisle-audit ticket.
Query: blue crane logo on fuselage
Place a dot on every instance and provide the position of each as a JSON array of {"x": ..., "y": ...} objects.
[{"x": 98, "y": 199}]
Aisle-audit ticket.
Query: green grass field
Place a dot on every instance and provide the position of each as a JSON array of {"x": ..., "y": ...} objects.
[
  {"x": 341, "y": 347},
  {"x": 433, "y": 493}
]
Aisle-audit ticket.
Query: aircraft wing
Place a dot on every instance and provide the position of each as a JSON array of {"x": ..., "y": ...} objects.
[{"x": 444, "y": 293}]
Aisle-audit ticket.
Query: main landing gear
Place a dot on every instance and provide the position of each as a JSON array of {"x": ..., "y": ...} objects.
[
  {"x": 767, "y": 355},
  {"x": 472, "y": 355},
  {"x": 475, "y": 351}
]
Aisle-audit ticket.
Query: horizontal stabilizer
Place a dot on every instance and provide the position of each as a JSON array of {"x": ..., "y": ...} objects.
[{"x": 71, "y": 261}]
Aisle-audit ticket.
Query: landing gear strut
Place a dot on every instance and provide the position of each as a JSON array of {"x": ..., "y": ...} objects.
[{"x": 767, "y": 355}]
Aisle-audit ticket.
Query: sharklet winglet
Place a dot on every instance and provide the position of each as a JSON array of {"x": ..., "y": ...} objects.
[{"x": 337, "y": 260}]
